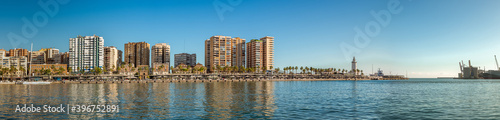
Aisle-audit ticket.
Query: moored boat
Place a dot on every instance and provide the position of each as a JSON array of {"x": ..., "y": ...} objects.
[{"x": 37, "y": 82}]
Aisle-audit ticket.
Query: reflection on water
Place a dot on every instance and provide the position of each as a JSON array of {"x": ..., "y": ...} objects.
[
  {"x": 407, "y": 99},
  {"x": 146, "y": 100}
]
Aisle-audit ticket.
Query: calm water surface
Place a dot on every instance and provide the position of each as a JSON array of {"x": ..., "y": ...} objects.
[{"x": 408, "y": 99}]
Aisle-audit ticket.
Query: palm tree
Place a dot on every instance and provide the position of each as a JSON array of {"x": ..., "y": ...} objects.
[
  {"x": 70, "y": 70},
  {"x": 264, "y": 69},
  {"x": 22, "y": 70},
  {"x": 172, "y": 69},
  {"x": 241, "y": 69},
  {"x": 118, "y": 68},
  {"x": 104, "y": 69},
  {"x": 52, "y": 67},
  {"x": 86, "y": 68},
  {"x": 12, "y": 70},
  {"x": 61, "y": 70},
  {"x": 302, "y": 69},
  {"x": 3, "y": 71},
  {"x": 161, "y": 67},
  {"x": 257, "y": 69}
]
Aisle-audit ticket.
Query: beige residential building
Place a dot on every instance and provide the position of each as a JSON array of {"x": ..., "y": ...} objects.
[
  {"x": 137, "y": 53},
  {"x": 19, "y": 62},
  {"x": 238, "y": 52},
  {"x": 49, "y": 52},
  {"x": 254, "y": 54},
  {"x": 219, "y": 52},
  {"x": 268, "y": 52},
  {"x": 160, "y": 55},
  {"x": 18, "y": 52},
  {"x": 260, "y": 53},
  {"x": 38, "y": 57},
  {"x": 110, "y": 58},
  {"x": 4, "y": 60},
  {"x": 5, "y": 52}
]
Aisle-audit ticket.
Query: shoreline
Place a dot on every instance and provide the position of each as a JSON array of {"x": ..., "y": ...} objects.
[{"x": 179, "y": 81}]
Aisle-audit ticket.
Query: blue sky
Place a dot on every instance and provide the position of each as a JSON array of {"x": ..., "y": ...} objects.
[{"x": 426, "y": 39}]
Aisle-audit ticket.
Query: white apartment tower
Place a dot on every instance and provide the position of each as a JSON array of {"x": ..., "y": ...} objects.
[
  {"x": 86, "y": 52},
  {"x": 110, "y": 57}
]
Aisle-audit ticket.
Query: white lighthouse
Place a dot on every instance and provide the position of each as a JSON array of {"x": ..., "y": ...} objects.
[{"x": 354, "y": 66}]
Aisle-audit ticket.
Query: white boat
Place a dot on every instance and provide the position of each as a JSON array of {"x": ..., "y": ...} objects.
[
  {"x": 37, "y": 82},
  {"x": 6, "y": 83}
]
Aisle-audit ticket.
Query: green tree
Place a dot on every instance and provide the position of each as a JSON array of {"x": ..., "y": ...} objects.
[
  {"x": 97, "y": 70},
  {"x": 172, "y": 69},
  {"x": 70, "y": 70},
  {"x": 118, "y": 68},
  {"x": 61, "y": 70}
]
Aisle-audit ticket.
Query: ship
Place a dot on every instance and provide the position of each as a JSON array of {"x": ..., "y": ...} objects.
[
  {"x": 377, "y": 76},
  {"x": 491, "y": 74}
]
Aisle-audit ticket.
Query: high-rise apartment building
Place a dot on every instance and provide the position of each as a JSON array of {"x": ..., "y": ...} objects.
[
  {"x": 110, "y": 57},
  {"x": 137, "y": 53},
  {"x": 268, "y": 52},
  {"x": 86, "y": 52},
  {"x": 160, "y": 55},
  {"x": 185, "y": 58},
  {"x": 260, "y": 53},
  {"x": 238, "y": 52},
  {"x": 223, "y": 51},
  {"x": 254, "y": 54}
]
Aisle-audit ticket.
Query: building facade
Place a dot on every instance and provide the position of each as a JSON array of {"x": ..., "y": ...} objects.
[
  {"x": 86, "y": 52},
  {"x": 185, "y": 58},
  {"x": 4, "y": 60},
  {"x": 260, "y": 53},
  {"x": 238, "y": 52},
  {"x": 137, "y": 53},
  {"x": 55, "y": 68},
  {"x": 17, "y": 52},
  {"x": 160, "y": 55},
  {"x": 18, "y": 62},
  {"x": 255, "y": 55},
  {"x": 38, "y": 57},
  {"x": 268, "y": 52},
  {"x": 219, "y": 52},
  {"x": 61, "y": 58},
  {"x": 110, "y": 58},
  {"x": 4, "y": 52}
]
